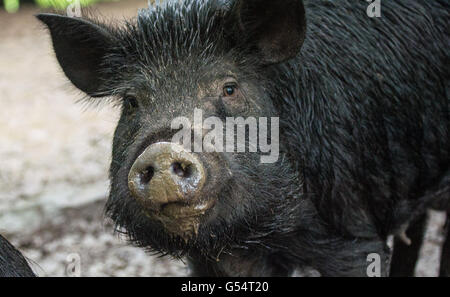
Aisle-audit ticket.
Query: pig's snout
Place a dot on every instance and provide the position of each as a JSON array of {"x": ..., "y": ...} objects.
[{"x": 165, "y": 173}]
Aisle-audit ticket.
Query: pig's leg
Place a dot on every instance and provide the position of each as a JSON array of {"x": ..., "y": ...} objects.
[
  {"x": 445, "y": 256},
  {"x": 404, "y": 257}
]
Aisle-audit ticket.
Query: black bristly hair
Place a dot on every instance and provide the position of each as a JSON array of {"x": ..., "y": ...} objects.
[{"x": 364, "y": 114}]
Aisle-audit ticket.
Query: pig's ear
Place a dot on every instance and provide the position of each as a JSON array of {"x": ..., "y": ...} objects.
[
  {"x": 80, "y": 48},
  {"x": 276, "y": 29}
]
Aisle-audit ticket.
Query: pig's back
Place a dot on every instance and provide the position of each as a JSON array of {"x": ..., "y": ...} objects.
[{"x": 368, "y": 105}]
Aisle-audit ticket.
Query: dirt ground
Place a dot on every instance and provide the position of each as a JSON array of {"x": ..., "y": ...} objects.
[{"x": 55, "y": 157}]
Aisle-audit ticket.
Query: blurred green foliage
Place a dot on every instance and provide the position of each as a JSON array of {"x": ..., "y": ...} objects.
[{"x": 13, "y": 5}]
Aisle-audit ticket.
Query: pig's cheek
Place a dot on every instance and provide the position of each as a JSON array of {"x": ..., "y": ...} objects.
[{"x": 236, "y": 106}]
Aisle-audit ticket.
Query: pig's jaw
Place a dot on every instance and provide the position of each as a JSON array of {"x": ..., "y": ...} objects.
[{"x": 182, "y": 220}]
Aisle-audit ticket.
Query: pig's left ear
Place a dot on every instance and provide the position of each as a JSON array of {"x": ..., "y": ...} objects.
[
  {"x": 80, "y": 47},
  {"x": 276, "y": 29}
]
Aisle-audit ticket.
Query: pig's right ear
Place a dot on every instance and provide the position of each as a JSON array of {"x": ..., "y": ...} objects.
[{"x": 80, "y": 48}]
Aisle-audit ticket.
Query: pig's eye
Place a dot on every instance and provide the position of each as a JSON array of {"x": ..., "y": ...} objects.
[
  {"x": 131, "y": 101},
  {"x": 229, "y": 90}
]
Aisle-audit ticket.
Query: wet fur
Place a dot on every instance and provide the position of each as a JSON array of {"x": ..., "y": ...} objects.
[
  {"x": 365, "y": 142},
  {"x": 366, "y": 121}
]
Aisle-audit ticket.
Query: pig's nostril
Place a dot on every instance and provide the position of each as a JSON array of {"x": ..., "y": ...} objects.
[
  {"x": 181, "y": 170},
  {"x": 166, "y": 173},
  {"x": 147, "y": 175}
]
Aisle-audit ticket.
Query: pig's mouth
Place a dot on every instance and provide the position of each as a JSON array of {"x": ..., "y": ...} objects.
[
  {"x": 178, "y": 212},
  {"x": 182, "y": 220}
]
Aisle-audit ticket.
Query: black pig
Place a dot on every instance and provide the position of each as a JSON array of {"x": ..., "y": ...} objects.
[
  {"x": 12, "y": 263},
  {"x": 364, "y": 142}
]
